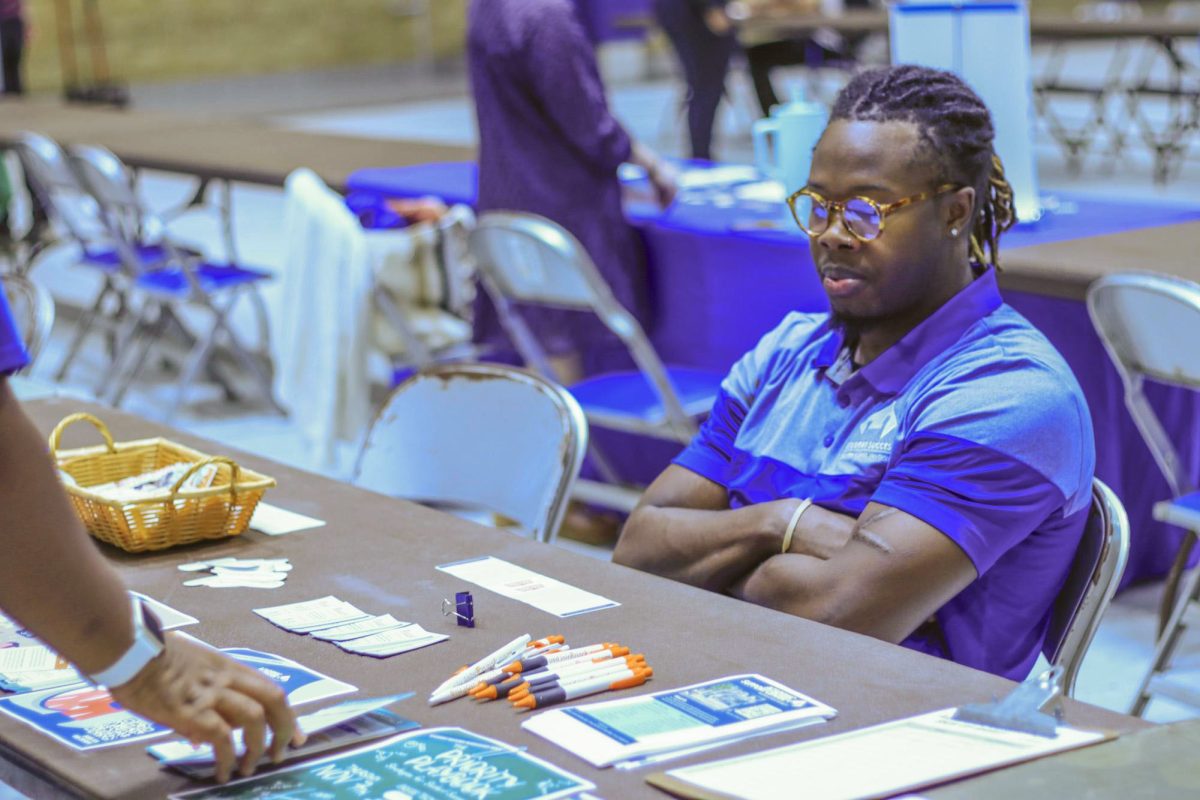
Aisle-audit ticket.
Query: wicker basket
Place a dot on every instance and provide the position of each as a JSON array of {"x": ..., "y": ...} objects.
[{"x": 164, "y": 518}]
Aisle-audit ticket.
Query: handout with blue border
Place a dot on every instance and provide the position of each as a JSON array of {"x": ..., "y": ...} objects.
[{"x": 716, "y": 711}]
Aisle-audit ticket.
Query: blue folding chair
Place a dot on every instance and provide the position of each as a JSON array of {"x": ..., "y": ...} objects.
[
  {"x": 165, "y": 286},
  {"x": 76, "y": 216},
  {"x": 525, "y": 258}
]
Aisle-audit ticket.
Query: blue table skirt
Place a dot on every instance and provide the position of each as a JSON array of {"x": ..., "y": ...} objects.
[{"x": 719, "y": 280}]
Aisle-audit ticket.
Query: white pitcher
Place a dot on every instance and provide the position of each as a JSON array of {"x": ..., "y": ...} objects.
[{"x": 784, "y": 141}]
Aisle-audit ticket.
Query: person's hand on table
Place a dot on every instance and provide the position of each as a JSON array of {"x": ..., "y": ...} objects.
[
  {"x": 204, "y": 696},
  {"x": 419, "y": 209},
  {"x": 718, "y": 21},
  {"x": 664, "y": 178}
]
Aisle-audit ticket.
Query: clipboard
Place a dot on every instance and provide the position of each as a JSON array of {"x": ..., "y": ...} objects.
[{"x": 894, "y": 757}]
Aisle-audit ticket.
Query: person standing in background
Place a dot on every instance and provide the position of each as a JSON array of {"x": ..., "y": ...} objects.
[
  {"x": 703, "y": 37},
  {"x": 549, "y": 145},
  {"x": 12, "y": 44}
]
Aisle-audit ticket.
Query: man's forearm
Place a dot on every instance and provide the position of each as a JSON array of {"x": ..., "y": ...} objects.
[
  {"x": 52, "y": 578},
  {"x": 709, "y": 549}
]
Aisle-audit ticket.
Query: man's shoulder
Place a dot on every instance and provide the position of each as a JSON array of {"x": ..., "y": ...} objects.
[
  {"x": 1005, "y": 348},
  {"x": 798, "y": 330},
  {"x": 1004, "y": 378}
]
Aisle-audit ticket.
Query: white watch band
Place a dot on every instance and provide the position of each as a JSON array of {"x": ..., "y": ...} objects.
[{"x": 147, "y": 644}]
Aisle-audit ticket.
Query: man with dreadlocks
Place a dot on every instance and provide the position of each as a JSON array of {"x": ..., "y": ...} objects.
[{"x": 915, "y": 465}]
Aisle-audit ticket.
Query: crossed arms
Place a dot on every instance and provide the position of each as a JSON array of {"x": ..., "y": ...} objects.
[{"x": 882, "y": 574}]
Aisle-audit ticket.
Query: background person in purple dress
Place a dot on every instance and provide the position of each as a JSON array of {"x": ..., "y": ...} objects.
[{"x": 549, "y": 145}]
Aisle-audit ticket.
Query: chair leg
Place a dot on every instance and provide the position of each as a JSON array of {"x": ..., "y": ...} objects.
[
  {"x": 1164, "y": 650},
  {"x": 1171, "y": 587},
  {"x": 254, "y": 366},
  {"x": 196, "y": 361},
  {"x": 86, "y": 322},
  {"x": 141, "y": 339}
]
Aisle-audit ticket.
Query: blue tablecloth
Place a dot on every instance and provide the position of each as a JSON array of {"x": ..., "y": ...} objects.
[
  {"x": 600, "y": 18},
  {"x": 724, "y": 272}
]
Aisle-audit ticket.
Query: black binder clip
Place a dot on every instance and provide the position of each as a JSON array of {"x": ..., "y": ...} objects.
[
  {"x": 1021, "y": 710},
  {"x": 463, "y": 611}
]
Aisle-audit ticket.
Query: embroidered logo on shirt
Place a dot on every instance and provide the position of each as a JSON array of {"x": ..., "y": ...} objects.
[{"x": 876, "y": 433}]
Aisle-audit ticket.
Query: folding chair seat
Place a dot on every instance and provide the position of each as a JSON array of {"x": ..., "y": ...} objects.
[
  {"x": 525, "y": 258},
  {"x": 32, "y": 308},
  {"x": 1149, "y": 325},
  {"x": 166, "y": 287},
  {"x": 479, "y": 438},
  {"x": 1091, "y": 583}
]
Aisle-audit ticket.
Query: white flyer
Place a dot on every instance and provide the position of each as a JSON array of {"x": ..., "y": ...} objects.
[
  {"x": 393, "y": 642},
  {"x": 313, "y": 615},
  {"x": 516, "y": 582},
  {"x": 276, "y": 521},
  {"x": 879, "y": 761},
  {"x": 677, "y": 719}
]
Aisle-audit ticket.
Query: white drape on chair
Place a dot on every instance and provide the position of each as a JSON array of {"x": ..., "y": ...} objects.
[{"x": 319, "y": 335}]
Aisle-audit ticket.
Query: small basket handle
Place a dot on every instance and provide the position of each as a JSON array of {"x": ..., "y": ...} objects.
[
  {"x": 56, "y": 434},
  {"x": 233, "y": 478}
]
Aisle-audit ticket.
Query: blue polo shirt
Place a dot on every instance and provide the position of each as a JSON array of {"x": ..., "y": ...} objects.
[
  {"x": 12, "y": 349},
  {"x": 972, "y": 423}
]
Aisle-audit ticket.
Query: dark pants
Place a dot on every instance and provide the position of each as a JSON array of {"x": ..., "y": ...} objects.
[
  {"x": 705, "y": 59},
  {"x": 762, "y": 58},
  {"x": 12, "y": 45}
]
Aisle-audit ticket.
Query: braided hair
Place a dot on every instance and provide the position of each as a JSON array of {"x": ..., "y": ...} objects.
[{"x": 956, "y": 130}]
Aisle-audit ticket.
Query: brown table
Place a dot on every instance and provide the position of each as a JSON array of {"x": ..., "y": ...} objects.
[
  {"x": 223, "y": 148},
  {"x": 380, "y": 554},
  {"x": 1066, "y": 269}
]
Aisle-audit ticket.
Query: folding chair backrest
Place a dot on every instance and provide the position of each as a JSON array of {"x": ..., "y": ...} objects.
[
  {"x": 32, "y": 308},
  {"x": 1149, "y": 324},
  {"x": 1091, "y": 583},
  {"x": 58, "y": 188},
  {"x": 109, "y": 181},
  {"x": 457, "y": 263},
  {"x": 526, "y": 258},
  {"x": 479, "y": 435},
  {"x": 533, "y": 260}
]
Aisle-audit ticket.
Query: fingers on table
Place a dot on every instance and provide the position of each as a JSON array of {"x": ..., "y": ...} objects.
[{"x": 272, "y": 702}]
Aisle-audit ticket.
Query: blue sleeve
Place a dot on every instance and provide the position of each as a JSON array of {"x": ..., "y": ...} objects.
[
  {"x": 12, "y": 349},
  {"x": 991, "y": 458},
  {"x": 713, "y": 454}
]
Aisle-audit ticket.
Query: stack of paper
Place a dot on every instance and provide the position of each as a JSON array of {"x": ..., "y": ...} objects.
[
  {"x": 508, "y": 579},
  {"x": 442, "y": 763},
  {"x": 678, "y": 721},
  {"x": 880, "y": 761},
  {"x": 350, "y": 628},
  {"x": 337, "y": 726},
  {"x": 86, "y": 717},
  {"x": 27, "y": 665},
  {"x": 34, "y": 666},
  {"x": 249, "y": 573}
]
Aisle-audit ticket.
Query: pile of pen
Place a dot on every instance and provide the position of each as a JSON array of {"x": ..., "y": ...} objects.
[{"x": 539, "y": 673}]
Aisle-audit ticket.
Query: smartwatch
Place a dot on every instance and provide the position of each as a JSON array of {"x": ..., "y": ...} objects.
[{"x": 147, "y": 644}]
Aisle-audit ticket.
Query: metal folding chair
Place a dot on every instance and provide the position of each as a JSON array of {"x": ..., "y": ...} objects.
[
  {"x": 76, "y": 216},
  {"x": 1143, "y": 320},
  {"x": 479, "y": 437},
  {"x": 165, "y": 286},
  {"x": 33, "y": 310},
  {"x": 1095, "y": 574},
  {"x": 529, "y": 259}
]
